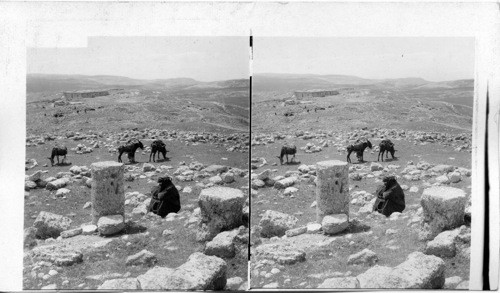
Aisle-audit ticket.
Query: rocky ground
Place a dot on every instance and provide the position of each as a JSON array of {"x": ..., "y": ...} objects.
[
  {"x": 64, "y": 251},
  {"x": 291, "y": 250}
]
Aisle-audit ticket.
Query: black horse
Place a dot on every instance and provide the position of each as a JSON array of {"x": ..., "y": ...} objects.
[
  {"x": 56, "y": 152},
  {"x": 359, "y": 149},
  {"x": 130, "y": 148},
  {"x": 158, "y": 146},
  {"x": 386, "y": 145},
  {"x": 287, "y": 150}
]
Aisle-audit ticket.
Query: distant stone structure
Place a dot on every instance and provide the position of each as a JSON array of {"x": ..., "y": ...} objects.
[
  {"x": 315, "y": 93},
  {"x": 85, "y": 94}
]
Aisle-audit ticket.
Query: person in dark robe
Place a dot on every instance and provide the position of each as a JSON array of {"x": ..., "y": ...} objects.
[
  {"x": 390, "y": 197},
  {"x": 164, "y": 198}
]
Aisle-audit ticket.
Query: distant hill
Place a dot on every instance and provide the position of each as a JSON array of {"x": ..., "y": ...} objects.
[
  {"x": 60, "y": 82},
  {"x": 290, "y": 82}
]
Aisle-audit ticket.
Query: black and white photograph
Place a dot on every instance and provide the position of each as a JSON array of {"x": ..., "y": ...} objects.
[
  {"x": 137, "y": 165},
  {"x": 362, "y": 173}
]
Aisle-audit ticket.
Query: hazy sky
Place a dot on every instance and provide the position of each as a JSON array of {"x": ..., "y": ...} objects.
[
  {"x": 201, "y": 58},
  {"x": 434, "y": 59}
]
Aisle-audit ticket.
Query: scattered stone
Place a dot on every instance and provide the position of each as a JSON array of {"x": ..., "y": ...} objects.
[
  {"x": 443, "y": 244},
  {"x": 221, "y": 209},
  {"x": 443, "y": 208},
  {"x": 222, "y": 245},
  {"x": 143, "y": 257},
  {"x": 376, "y": 167},
  {"x": 109, "y": 225},
  {"x": 419, "y": 271},
  {"x": 50, "y": 225},
  {"x": 452, "y": 282},
  {"x": 61, "y": 192},
  {"x": 88, "y": 229},
  {"x": 414, "y": 189},
  {"x": 313, "y": 228},
  {"x": 455, "y": 177},
  {"x": 290, "y": 191},
  {"x": 340, "y": 283},
  {"x": 283, "y": 253},
  {"x": 233, "y": 284},
  {"x": 296, "y": 231},
  {"x": 275, "y": 223},
  {"x": 364, "y": 257},
  {"x": 71, "y": 233},
  {"x": 57, "y": 183},
  {"x": 120, "y": 284},
  {"x": 200, "y": 272},
  {"x": 57, "y": 254},
  {"x": 463, "y": 286},
  {"x": 284, "y": 183},
  {"x": 333, "y": 224}
]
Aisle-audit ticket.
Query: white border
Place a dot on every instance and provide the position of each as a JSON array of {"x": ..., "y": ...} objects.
[{"x": 65, "y": 24}]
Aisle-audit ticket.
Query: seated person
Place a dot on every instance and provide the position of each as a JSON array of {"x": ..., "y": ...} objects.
[
  {"x": 390, "y": 197},
  {"x": 164, "y": 198}
]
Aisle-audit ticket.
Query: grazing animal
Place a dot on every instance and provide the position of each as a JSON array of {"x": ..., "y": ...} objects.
[
  {"x": 287, "y": 150},
  {"x": 158, "y": 146},
  {"x": 130, "y": 148},
  {"x": 56, "y": 152},
  {"x": 386, "y": 146},
  {"x": 359, "y": 149}
]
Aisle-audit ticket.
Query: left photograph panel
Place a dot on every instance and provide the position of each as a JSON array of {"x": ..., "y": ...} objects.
[{"x": 137, "y": 164}]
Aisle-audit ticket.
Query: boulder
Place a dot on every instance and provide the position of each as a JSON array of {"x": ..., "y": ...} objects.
[
  {"x": 222, "y": 245},
  {"x": 200, "y": 272},
  {"x": 57, "y": 254},
  {"x": 283, "y": 253},
  {"x": 376, "y": 167},
  {"x": 452, "y": 282},
  {"x": 120, "y": 284},
  {"x": 109, "y": 225},
  {"x": 57, "y": 183},
  {"x": 296, "y": 231},
  {"x": 455, "y": 177},
  {"x": 50, "y": 225},
  {"x": 28, "y": 185},
  {"x": 333, "y": 224},
  {"x": 443, "y": 179},
  {"x": 274, "y": 223},
  {"x": 443, "y": 209},
  {"x": 146, "y": 167},
  {"x": 290, "y": 191},
  {"x": 29, "y": 239},
  {"x": 228, "y": 177},
  {"x": 364, "y": 257},
  {"x": 313, "y": 228},
  {"x": 143, "y": 257},
  {"x": 215, "y": 179},
  {"x": 443, "y": 244},
  {"x": 216, "y": 169},
  {"x": 234, "y": 284},
  {"x": 340, "y": 283},
  {"x": 35, "y": 176},
  {"x": 71, "y": 233},
  {"x": 61, "y": 192},
  {"x": 442, "y": 169},
  {"x": 284, "y": 183},
  {"x": 419, "y": 271},
  {"x": 221, "y": 208}
]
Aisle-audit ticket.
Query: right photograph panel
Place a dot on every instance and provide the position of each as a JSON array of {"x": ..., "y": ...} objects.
[{"x": 361, "y": 162}]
